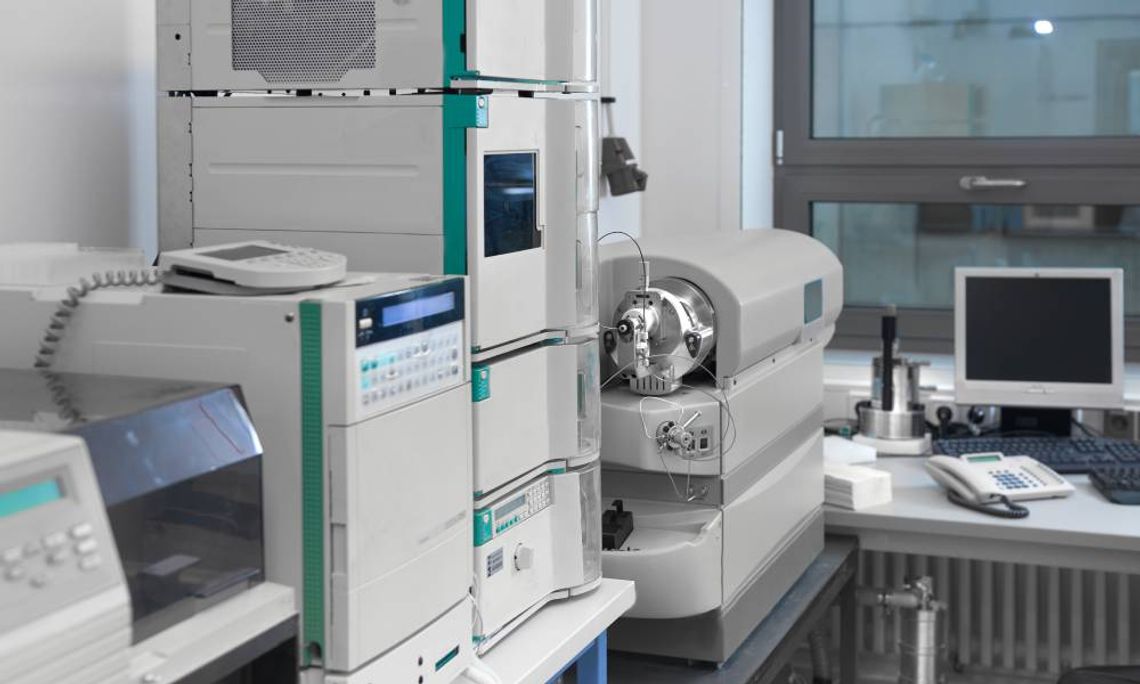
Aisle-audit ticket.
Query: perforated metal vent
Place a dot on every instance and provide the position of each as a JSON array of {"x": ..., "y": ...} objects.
[{"x": 303, "y": 41}]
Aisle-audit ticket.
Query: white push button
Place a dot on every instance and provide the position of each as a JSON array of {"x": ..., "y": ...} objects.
[
  {"x": 88, "y": 563},
  {"x": 54, "y": 541},
  {"x": 13, "y": 555},
  {"x": 81, "y": 531},
  {"x": 14, "y": 574},
  {"x": 85, "y": 547}
]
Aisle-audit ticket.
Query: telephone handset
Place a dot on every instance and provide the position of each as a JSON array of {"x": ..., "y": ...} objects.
[{"x": 977, "y": 480}]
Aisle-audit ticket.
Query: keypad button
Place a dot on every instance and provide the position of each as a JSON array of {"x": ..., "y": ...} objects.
[
  {"x": 88, "y": 563},
  {"x": 57, "y": 557},
  {"x": 32, "y": 549},
  {"x": 15, "y": 573},
  {"x": 82, "y": 531},
  {"x": 12, "y": 555},
  {"x": 54, "y": 541},
  {"x": 85, "y": 547}
]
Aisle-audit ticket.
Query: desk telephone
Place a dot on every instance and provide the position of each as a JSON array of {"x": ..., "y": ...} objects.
[{"x": 975, "y": 481}]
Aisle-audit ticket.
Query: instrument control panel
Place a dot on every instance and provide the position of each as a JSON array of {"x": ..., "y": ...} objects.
[
  {"x": 528, "y": 503},
  {"x": 410, "y": 344},
  {"x": 406, "y": 368},
  {"x": 55, "y": 543}
]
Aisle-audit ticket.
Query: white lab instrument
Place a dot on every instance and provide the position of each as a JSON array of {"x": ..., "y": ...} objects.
[
  {"x": 534, "y": 544},
  {"x": 978, "y": 480},
  {"x": 715, "y": 442},
  {"x": 893, "y": 421},
  {"x": 244, "y": 45},
  {"x": 65, "y": 616},
  {"x": 248, "y": 268},
  {"x": 497, "y": 187},
  {"x": 1039, "y": 337},
  {"x": 357, "y": 391},
  {"x": 178, "y": 465}
]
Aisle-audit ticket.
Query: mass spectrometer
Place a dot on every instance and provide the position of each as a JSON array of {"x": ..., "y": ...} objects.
[{"x": 712, "y": 430}]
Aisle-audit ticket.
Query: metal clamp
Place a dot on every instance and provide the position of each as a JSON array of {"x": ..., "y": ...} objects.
[{"x": 971, "y": 183}]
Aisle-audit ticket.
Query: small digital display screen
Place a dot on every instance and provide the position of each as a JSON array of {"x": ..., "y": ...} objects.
[
  {"x": 510, "y": 507},
  {"x": 416, "y": 309},
  {"x": 243, "y": 253},
  {"x": 31, "y": 496},
  {"x": 1039, "y": 330},
  {"x": 985, "y": 458}
]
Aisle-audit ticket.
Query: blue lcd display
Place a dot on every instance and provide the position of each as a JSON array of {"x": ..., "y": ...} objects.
[
  {"x": 415, "y": 309},
  {"x": 25, "y": 498}
]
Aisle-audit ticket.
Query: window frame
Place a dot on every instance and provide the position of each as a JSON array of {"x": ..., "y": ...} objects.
[{"x": 1087, "y": 171}]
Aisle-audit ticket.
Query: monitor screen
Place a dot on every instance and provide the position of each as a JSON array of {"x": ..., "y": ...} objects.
[{"x": 1039, "y": 330}]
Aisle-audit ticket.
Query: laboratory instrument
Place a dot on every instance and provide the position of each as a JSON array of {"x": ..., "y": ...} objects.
[
  {"x": 1118, "y": 484},
  {"x": 894, "y": 420},
  {"x": 1039, "y": 337},
  {"x": 179, "y": 468},
  {"x": 258, "y": 45},
  {"x": 977, "y": 480},
  {"x": 250, "y": 268},
  {"x": 356, "y": 391},
  {"x": 1069, "y": 455},
  {"x": 712, "y": 429},
  {"x": 497, "y": 187},
  {"x": 534, "y": 544},
  {"x": 65, "y": 612},
  {"x": 924, "y": 641}
]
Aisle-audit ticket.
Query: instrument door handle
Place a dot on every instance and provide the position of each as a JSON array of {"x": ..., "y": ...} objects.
[{"x": 971, "y": 183}]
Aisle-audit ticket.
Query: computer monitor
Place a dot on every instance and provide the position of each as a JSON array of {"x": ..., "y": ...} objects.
[{"x": 1039, "y": 337}]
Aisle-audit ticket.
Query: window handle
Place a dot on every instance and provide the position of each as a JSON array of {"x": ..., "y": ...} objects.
[{"x": 984, "y": 183}]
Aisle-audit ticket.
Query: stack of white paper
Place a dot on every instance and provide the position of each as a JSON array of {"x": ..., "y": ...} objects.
[{"x": 855, "y": 487}]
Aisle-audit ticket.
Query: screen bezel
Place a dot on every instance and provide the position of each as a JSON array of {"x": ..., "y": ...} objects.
[{"x": 1040, "y": 394}]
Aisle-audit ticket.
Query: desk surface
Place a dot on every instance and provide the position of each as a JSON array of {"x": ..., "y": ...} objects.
[
  {"x": 549, "y": 639},
  {"x": 1085, "y": 529}
]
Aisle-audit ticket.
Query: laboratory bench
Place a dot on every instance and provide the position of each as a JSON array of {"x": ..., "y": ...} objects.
[{"x": 1081, "y": 531}]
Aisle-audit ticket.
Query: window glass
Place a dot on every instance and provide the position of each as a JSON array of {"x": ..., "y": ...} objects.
[
  {"x": 905, "y": 254},
  {"x": 510, "y": 218},
  {"x": 975, "y": 68}
]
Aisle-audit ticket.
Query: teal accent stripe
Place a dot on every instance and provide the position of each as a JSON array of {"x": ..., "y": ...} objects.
[
  {"x": 483, "y": 533},
  {"x": 454, "y": 29},
  {"x": 38, "y": 494},
  {"x": 460, "y": 112},
  {"x": 312, "y": 483}
]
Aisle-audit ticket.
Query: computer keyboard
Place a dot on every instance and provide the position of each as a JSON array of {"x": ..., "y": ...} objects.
[
  {"x": 1119, "y": 484},
  {"x": 1062, "y": 454}
]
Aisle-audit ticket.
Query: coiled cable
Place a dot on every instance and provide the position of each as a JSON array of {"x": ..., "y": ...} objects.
[{"x": 53, "y": 335}]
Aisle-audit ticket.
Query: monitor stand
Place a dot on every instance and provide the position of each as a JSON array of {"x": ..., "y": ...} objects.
[{"x": 1052, "y": 421}]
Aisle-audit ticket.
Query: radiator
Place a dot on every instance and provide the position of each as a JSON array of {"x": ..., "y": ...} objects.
[{"x": 1008, "y": 618}]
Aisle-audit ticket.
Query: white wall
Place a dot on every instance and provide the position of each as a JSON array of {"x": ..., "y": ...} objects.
[
  {"x": 77, "y": 107},
  {"x": 621, "y": 78},
  {"x": 694, "y": 84}
]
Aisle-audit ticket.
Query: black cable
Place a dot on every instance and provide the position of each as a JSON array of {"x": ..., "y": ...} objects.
[
  {"x": 1088, "y": 432},
  {"x": 1011, "y": 511},
  {"x": 632, "y": 239}
]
